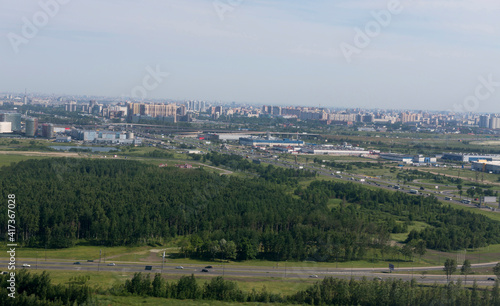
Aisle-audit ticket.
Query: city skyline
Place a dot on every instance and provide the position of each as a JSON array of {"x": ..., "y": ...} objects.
[{"x": 429, "y": 55}]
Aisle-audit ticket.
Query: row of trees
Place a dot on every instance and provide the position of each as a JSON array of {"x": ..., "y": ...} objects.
[
  {"x": 37, "y": 289},
  {"x": 330, "y": 291}
]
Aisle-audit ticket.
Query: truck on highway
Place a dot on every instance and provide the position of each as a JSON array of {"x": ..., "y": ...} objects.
[{"x": 413, "y": 191}]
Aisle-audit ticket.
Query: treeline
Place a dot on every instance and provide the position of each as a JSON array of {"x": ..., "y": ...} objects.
[
  {"x": 330, "y": 291},
  {"x": 37, "y": 289},
  {"x": 269, "y": 173},
  {"x": 451, "y": 229},
  {"x": 159, "y": 154}
]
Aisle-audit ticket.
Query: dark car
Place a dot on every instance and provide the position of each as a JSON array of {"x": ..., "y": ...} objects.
[
  {"x": 77, "y": 263},
  {"x": 208, "y": 267},
  {"x": 491, "y": 279},
  {"x": 422, "y": 188},
  {"x": 204, "y": 270}
]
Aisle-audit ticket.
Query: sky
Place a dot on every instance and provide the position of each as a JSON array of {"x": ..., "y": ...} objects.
[{"x": 395, "y": 54}]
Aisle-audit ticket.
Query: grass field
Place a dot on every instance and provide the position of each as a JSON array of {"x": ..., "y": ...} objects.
[
  {"x": 400, "y": 237},
  {"x": 76, "y": 253},
  {"x": 137, "y": 300},
  {"x": 7, "y": 159},
  {"x": 105, "y": 280}
]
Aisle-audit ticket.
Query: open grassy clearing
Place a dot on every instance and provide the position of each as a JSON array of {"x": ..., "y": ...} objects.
[
  {"x": 467, "y": 174},
  {"x": 137, "y": 300},
  {"x": 81, "y": 253},
  {"x": 8, "y": 159},
  {"x": 105, "y": 280},
  {"x": 417, "y": 225}
]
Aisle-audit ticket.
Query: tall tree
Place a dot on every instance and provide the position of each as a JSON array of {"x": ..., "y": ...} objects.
[
  {"x": 466, "y": 269},
  {"x": 450, "y": 266},
  {"x": 496, "y": 270}
]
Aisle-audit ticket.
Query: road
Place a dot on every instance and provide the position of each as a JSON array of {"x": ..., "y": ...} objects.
[{"x": 405, "y": 274}]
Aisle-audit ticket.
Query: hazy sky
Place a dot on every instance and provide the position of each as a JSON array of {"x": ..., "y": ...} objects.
[{"x": 420, "y": 54}]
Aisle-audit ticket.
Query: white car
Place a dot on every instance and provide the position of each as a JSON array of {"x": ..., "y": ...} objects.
[
  {"x": 313, "y": 276},
  {"x": 112, "y": 264},
  {"x": 179, "y": 267},
  {"x": 26, "y": 265}
]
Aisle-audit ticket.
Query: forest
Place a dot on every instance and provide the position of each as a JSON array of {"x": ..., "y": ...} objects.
[{"x": 123, "y": 202}]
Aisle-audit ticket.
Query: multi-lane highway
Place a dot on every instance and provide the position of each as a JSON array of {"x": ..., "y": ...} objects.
[{"x": 288, "y": 272}]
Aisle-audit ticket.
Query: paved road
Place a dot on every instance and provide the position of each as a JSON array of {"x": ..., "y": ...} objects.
[{"x": 257, "y": 272}]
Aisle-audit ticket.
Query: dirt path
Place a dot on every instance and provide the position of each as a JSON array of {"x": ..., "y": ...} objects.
[{"x": 224, "y": 171}]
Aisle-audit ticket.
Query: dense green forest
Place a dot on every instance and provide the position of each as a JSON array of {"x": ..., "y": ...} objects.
[
  {"x": 451, "y": 229},
  {"x": 123, "y": 202}
]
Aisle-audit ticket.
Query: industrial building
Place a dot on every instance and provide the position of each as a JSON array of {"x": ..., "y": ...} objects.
[
  {"x": 490, "y": 166},
  {"x": 345, "y": 150},
  {"x": 106, "y": 137},
  {"x": 256, "y": 141},
  {"x": 31, "y": 127},
  {"x": 468, "y": 158},
  {"x": 223, "y": 136},
  {"x": 407, "y": 159},
  {"x": 47, "y": 130},
  {"x": 420, "y": 159},
  {"x": 5, "y": 127},
  {"x": 14, "y": 119}
]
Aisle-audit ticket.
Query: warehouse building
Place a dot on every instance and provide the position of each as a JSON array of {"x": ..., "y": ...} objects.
[
  {"x": 490, "y": 166},
  {"x": 256, "y": 141}
]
